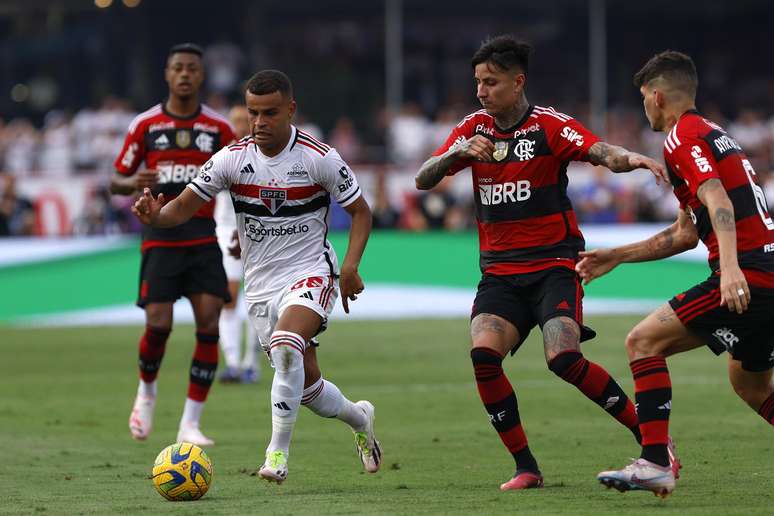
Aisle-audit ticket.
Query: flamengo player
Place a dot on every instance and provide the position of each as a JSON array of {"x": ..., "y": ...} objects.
[
  {"x": 173, "y": 139},
  {"x": 529, "y": 240},
  {"x": 281, "y": 180},
  {"x": 234, "y": 314},
  {"x": 723, "y": 205}
]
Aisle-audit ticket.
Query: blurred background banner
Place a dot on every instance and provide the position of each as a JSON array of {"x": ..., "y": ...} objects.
[{"x": 383, "y": 82}]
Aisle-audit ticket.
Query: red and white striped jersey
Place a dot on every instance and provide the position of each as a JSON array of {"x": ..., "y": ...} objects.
[
  {"x": 696, "y": 150},
  {"x": 525, "y": 220},
  {"x": 281, "y": 205},
  {"x": 176, "y": 147}
]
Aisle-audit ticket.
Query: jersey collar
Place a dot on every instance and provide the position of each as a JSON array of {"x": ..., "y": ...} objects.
[
  {"x": 189, "y": 117},
  {"x": 518, "y": 124},
  {"x": 291, "y": 143}
]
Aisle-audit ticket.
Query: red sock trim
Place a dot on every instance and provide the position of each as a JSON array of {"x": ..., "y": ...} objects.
[
  {"x": 767, "y": 409},
  {"x": 655, "y": 432},
  {"x": 514, "y": 439}
]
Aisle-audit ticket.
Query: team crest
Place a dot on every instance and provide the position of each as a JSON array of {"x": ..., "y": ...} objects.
[
  {"x": 501, "y": 151},
  {"x": 183, "y": 138},
  {"x": 524, "y": 149},
  {"x": 273, "y": 198}
]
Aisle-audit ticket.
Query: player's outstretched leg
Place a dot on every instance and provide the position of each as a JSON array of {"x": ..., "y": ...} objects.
[
  {"x": 561, "y": 337},
  {"x": 325, "y": 399},
  {"x": 287, "y": 356},
  {"x": 500, "y": 403},
  {"x": 230, "y": 341},
  {"x": 754, "y": 387},
  {"x": 152, "y": 345},
  {"x": 203, "y": 366}
]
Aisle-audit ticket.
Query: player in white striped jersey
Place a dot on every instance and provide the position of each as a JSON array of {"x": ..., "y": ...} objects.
[
  {"x": 233, "y": 317},
  {"x": 281, "y": 181}
]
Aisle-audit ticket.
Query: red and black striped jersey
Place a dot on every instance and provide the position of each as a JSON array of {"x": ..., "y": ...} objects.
[
  {"x": 176, "y": 147},
  {"x": 696, "y": 150},
  {"x": 525, "y": 220}
]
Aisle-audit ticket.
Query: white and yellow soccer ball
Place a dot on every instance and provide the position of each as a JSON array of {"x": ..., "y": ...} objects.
[{"x": 182, "y": 472}]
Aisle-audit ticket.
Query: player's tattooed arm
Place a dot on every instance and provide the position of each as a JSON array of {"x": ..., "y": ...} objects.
[
  {"x": 618, "y": 159},
  {"x": 734, "y": 291},
  {"x": 434, "y": 169},
  {"x": 675, "y": 239},
  {"x": 560, "y": 334}
]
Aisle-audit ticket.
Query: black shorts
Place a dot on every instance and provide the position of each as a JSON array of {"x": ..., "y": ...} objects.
[
  {"x": 168, "y": 273},
  {"x": 531, "y": 299},
  {"x": 747, "y": 336}
]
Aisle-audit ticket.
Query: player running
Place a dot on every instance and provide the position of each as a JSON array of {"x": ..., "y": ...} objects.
[
  {"x": 529, "y": 240},
  {"x": 233, "y": 317},
  {"x": 173, "y": 139},
  {"x": 723, "y": 205},
  {"x": 281, "y": 180}
]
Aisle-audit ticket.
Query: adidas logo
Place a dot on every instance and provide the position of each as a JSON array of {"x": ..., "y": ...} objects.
[
  {"x": 282, "y": 405},
  {"x": 248, "y": 169},
  {"x": 564, "y": 305},
  {"x": 162, "y": 142},
  {"x": 308, "y": 295},
  {"x": 612, "y": 400},
  {"x": 666, "y": 406}
]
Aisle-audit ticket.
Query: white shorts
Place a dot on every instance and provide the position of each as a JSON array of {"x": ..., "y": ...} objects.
[
  {"x": 233, "y": 266},
  {"x": 318, "y": 293}
]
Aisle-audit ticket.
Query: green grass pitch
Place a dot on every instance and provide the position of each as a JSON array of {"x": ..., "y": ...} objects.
[{"x": 65, "y": 396}]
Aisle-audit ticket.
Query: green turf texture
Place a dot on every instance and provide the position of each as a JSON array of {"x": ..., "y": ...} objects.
[{"x": 67, "y": 394}]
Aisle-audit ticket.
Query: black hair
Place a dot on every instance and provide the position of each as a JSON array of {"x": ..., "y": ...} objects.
[
  {"x": 674, "y": 67},
  {"x": 505, "y": 52},
  {"x": 269, "y": 81},
  {"x": 186, "y": 48}
]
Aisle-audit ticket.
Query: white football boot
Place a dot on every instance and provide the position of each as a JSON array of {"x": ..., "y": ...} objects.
[
  {"x": 641, "y": 475},
  {"x": 141, "y": 418},
  {"x": 367, "y": 446},
  {"x": 275, "y": 469},
  {"x": 191, "y": 434}
]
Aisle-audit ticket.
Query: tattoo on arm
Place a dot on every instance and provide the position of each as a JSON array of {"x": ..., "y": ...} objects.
[
  {"x": 486, "y": 322},
  {"x": 612, "y": 156},
  {"x": 560, "y": 334},
  {"x": 665, "y": 314},
  {"x": 431, "y": 173},
  {"x": 662, "y": 241},
  {"x": 724, "y": 220}
]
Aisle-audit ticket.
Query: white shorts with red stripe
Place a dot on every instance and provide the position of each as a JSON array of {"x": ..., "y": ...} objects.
[{"x": 318, "y": 293}]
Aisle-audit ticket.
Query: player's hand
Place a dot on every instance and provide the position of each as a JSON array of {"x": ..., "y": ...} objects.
[
  {"x": 734, "y": 291},
  {"x": 235, "y": 250},
  {"x": 595, "y": 263},
  {"x": 350, "y": 285},
  {"x": 147, "y": 178},
  {"x": 640, "y": 161},
  {"x": 147, "y": 207},
  {"x": 478, "y": 148}
]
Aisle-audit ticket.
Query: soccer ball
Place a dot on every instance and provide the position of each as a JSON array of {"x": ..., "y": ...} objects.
[{"x": 182, "y": 472}]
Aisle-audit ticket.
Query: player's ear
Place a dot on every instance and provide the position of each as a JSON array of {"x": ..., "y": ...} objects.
[
  {"x": 518, "y": 82},
  {"x": 292, "y": 108}
]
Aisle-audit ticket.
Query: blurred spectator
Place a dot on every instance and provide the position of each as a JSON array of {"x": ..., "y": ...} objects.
[
  {"x": 100, "y": 216},
  {"x": 385, "y": 216},
  {"x": 750, "y": 132},
  {"x": 223, "y": 62},
  {"x": 597, "y": 201},
  {"x": 435, "y": 209},
  {"x": 107, "y": 134},
  {"x": 20, "y": 141},
  {"x": 441, "y": 127},
  {"x": 345, "y": 140},
  {"x": 82, "y": 132},
  {"x": 17, "y": 216},
  {"x": 407, "y": 135},
  {"x": 56, "y": 158}
]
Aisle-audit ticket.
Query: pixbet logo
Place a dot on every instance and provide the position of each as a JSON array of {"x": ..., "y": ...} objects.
[
  {"x": 725, "y": 336},
  {"x": 499, "y": 193}
]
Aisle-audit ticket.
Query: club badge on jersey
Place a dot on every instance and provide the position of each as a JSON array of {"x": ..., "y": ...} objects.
[{"x": 501, "y": 151}]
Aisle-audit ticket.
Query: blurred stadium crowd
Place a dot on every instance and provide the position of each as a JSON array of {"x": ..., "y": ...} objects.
[{"x": 55, "y": 129}]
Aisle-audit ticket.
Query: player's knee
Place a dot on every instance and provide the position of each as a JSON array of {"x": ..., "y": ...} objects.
[
  {"x": 286, "y": 352},
  {"x": 639, "y": 344}
]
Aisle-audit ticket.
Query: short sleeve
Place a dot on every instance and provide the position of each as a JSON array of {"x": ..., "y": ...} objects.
[
  {"x": 459, "y": 134},
  {"x": 692, "y": 160},
  {"x": 333, "y": 174},
  {"x": 133, "y": 151},
  {"x": 569, "y": 139},
  {"x": 214, "y": 176}
]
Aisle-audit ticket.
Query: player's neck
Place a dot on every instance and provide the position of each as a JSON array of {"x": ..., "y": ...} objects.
[
  {"x": 509, "y": 118},
  {"x": 674, "y": 114},
  {"x": 182, "y": 107},
  {"x": 272, "y": 150}
]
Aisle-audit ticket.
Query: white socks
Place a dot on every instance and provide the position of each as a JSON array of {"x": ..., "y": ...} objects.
[
  {"x": 231, "y": 336},
  {"x": 325, "y": 399},
  {"x": 287, "y": 356},
  {"x": 192, "y": 412},
  {"x": 148, "y": 390}
]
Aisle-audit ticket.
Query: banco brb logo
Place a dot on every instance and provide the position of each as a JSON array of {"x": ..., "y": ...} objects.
[{"x": 499, "y": 193}]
